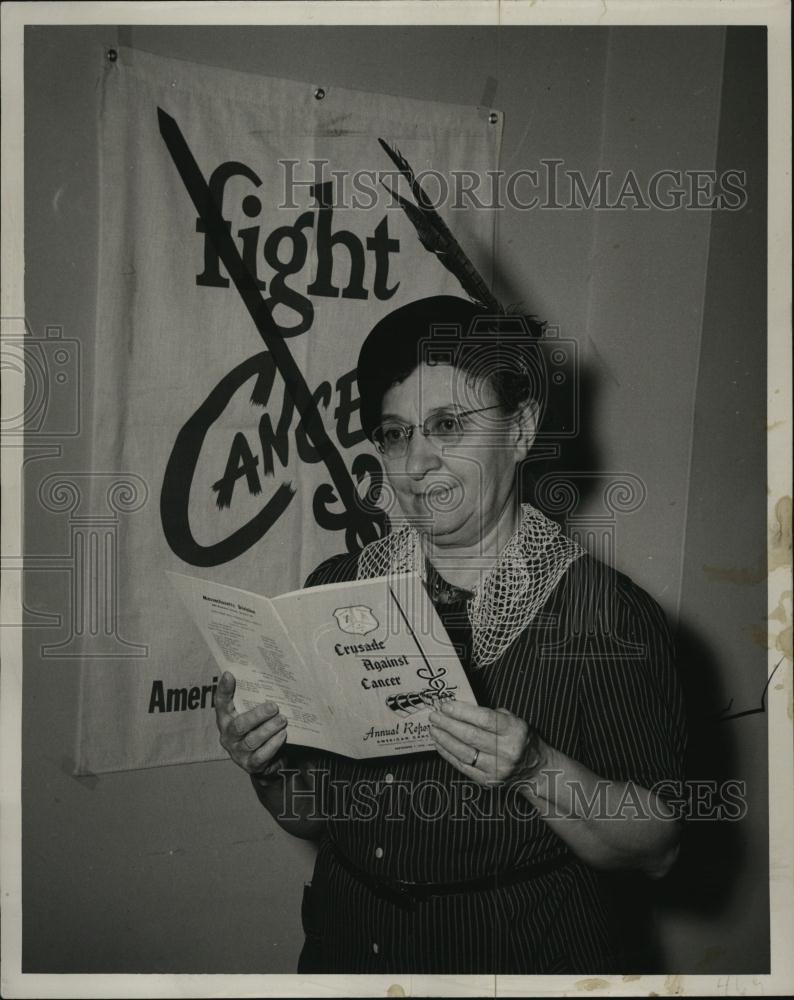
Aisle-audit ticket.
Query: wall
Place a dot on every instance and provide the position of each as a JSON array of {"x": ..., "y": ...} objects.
[
  {"x": 722, "y": 627},
  {"x": 177, "y": 869}
]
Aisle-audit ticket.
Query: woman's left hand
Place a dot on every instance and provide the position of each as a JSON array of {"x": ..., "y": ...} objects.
[{"x": 489, "y": 745}]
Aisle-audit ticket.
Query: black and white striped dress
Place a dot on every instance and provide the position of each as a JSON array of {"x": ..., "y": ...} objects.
[{"x": 594, "y": 672}]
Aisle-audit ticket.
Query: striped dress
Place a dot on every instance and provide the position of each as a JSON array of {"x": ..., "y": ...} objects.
[{"x": 594, "y": 673}]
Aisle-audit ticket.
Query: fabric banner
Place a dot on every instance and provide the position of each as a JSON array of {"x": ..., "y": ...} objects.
[{"x": 247, "y": 246}]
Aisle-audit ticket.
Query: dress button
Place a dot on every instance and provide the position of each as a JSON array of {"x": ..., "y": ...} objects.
[
  {"x": 375, "y": 948},
  {"x": 378, "y": 852},
  {"x": 389, "y": 778}
]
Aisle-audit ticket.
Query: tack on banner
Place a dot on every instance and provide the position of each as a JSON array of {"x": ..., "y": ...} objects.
[{"x": 246, "y": 248}]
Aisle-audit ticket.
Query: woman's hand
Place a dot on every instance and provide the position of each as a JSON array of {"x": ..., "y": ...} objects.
[
  {"x": 489, "y": 745},
  {"x": 255, "y": 742},
  {"x": 641, "y": 832},
  {"x": 254, "y": 739}
]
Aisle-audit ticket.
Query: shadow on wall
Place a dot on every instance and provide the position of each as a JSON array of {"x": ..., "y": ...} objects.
[
  {"x": 703, "y": 881},
  {"x": 561, "y": 474},
  {"x": 714, "y": 853}
]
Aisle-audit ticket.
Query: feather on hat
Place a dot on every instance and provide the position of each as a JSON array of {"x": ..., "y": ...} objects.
[{"x": 435, "y": 236}]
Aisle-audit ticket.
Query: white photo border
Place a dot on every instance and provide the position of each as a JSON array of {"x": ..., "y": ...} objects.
[{"x": 776, "y": 16}]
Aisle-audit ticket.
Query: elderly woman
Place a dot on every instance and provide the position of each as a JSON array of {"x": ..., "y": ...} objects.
[{"x": 548, "y": 782}]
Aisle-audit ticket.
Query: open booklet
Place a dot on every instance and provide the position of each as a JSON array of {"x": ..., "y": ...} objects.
[{"x": 355, "y": 668}]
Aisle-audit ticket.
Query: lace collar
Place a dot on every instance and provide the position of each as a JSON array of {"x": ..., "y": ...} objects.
[{"x": 510, "y": 593}]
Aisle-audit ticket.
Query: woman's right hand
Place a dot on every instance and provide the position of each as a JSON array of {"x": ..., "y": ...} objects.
[{"x": 254, "y": 739}]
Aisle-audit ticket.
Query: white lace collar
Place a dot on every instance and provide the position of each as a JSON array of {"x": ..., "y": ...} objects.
[{"x": 509, "y": 595}]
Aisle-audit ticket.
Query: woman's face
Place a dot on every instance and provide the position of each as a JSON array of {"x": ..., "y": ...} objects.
[{"x": 456, "y": 492}]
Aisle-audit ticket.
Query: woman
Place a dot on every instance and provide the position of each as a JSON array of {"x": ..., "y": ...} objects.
[{"x": 545, "y": 784}]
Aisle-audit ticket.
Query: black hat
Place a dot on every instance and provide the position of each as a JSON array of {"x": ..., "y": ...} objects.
[
  {"x": 399, "y": 342},
  {"x": 433, "y": 330}
]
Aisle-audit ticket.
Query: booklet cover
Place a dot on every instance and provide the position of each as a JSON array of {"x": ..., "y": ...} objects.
[{"x": 354, "y": 667}]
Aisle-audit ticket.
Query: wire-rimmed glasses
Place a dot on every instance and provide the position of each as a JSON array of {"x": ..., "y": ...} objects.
[{"x": 446, "y": 427}]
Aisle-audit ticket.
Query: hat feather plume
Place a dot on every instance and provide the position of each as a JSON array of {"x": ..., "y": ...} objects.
[{"x": 435, "y": 235}]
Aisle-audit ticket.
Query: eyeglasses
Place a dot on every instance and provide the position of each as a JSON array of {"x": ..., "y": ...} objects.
[{"x": 446, "y": 428}]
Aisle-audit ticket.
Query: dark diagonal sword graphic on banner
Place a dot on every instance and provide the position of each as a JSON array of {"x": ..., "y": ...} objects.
[{"x": 362, "y": 521}]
